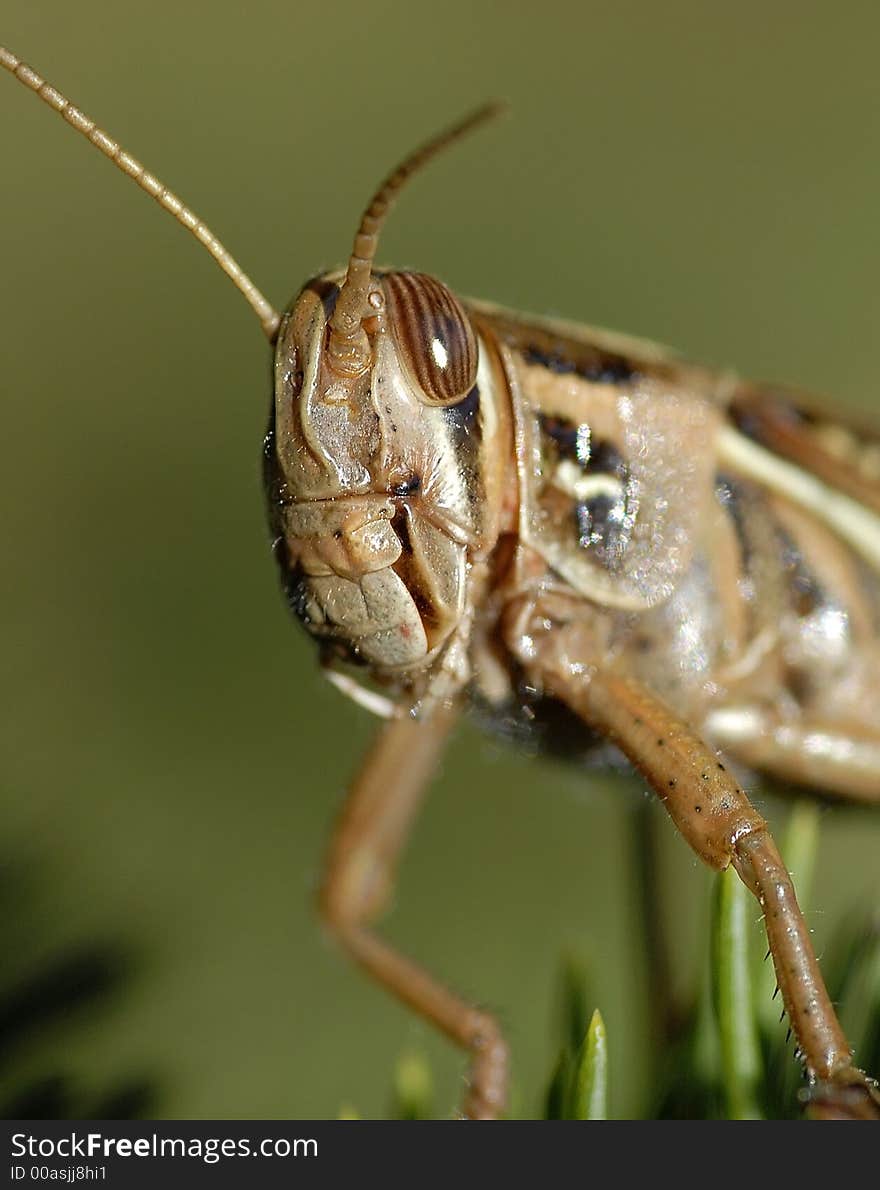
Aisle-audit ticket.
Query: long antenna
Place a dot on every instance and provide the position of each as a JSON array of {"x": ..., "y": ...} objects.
[
  {"x": 268, "y": 316},
  {"x": 347, "y": 340}
]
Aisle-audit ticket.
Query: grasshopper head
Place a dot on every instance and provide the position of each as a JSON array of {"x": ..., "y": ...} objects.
[
  {"x": 372, "y": 451},
  {"x": 371, "y": 502}
]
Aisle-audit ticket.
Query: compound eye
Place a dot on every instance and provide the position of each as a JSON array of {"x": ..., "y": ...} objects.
[{"x": 434, "y": 336}]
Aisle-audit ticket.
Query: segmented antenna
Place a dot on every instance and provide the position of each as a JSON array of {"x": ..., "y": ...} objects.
[
  {"x": 347, "y": 340},
  {"x": 268, "y": 316}
]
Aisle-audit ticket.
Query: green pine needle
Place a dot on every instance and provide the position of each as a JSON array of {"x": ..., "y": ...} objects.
[
  {"x": 589, "y": 1087},
  {"x": 578, "y": 1088},
  {"x": 741, "y": 1066},
  {"x": 860, "y": 992}
]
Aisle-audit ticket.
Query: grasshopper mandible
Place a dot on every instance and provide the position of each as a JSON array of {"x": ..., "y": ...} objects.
[{"x": 567, "y": 529}]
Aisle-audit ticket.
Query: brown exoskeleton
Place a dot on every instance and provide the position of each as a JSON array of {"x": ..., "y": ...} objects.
[{"x": 567, "y": 529}]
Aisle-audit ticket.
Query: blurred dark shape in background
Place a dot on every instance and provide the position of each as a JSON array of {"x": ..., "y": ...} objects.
[{"x": 57, "y": 996}]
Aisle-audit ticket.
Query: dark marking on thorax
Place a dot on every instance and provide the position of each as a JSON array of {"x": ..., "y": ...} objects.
[{"x": 590, "y": 363}]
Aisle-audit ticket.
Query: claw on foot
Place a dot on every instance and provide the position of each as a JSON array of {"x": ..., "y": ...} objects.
[
  {"x": 486, "y": 1097},
  {"x": 852, "y": 1096}
]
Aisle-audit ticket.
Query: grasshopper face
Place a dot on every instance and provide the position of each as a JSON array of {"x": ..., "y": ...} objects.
[{"x": 370, "y": 468}]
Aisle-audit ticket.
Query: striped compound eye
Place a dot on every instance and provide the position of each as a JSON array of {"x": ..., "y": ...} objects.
[{"x": 433, "y": 335}]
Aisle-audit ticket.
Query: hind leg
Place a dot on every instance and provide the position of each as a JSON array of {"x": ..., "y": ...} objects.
[
  {"x": 836, "y": 759},
  {"x": 714, "y": 815}
]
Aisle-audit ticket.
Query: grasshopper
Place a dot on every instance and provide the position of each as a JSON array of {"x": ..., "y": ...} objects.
[{"x": 583, "y": 539}]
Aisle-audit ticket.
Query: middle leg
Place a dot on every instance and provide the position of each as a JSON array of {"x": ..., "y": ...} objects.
[{"x": 359, "y": 876}]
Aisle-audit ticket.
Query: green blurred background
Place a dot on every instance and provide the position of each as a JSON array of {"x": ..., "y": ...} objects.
[{"x": 705, "y": 175}]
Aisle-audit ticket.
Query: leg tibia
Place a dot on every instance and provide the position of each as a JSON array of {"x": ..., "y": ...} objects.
[{"x": 358, "y": 878}]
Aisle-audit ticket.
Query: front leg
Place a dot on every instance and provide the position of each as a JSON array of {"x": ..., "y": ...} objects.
[
  {"x": 717, "y": 819},
  {"x": 358, "y": 878}
]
